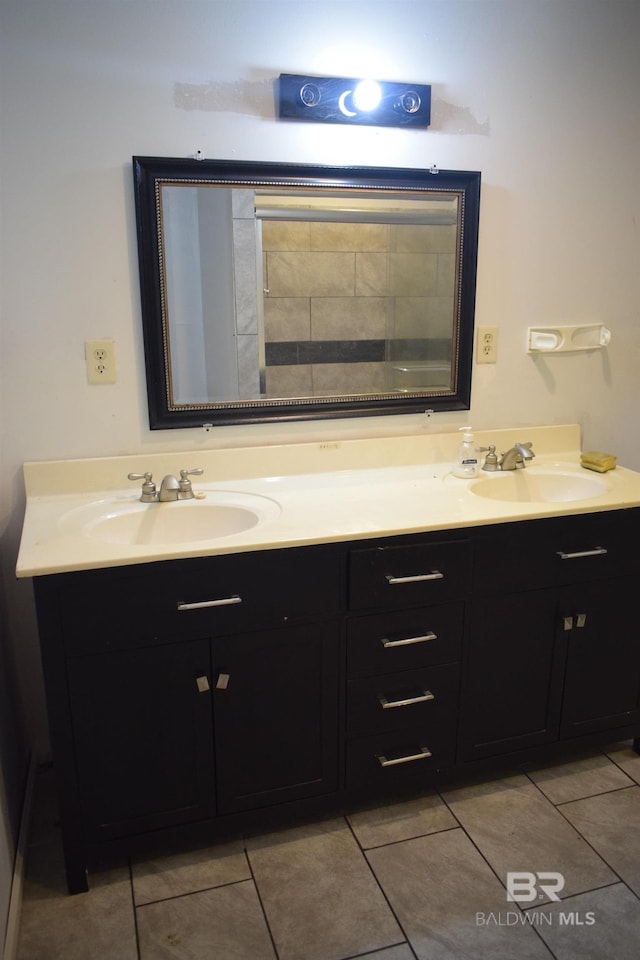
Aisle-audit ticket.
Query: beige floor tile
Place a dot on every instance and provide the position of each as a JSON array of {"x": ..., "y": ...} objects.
[
  {"x": 561, "y": 782},
  {"x": 324, "y": 903},
  {"x": 517, "y": 829},
  {"x": 610, "y": 823},
  {"x": 226, "y": 924},
  {"x": 318, "y": 892},
  {"x": 189, "y": 872},
  {"x": 401, "y": 821},
  {"x": 54, "y": 926},
  {"x": 402, "y": 952},
  {"x": 440, "y": 888},
  {"x": 614, "y": 933},
  {"x": 625, "y": 756}
]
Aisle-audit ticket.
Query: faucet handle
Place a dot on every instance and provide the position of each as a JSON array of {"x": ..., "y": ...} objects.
[
  {"x": 186, "y": 491},
  {"x": 195, "y": 472},
  {"x": 148, "y": 494},
  {"x": 491, "y": 460}
]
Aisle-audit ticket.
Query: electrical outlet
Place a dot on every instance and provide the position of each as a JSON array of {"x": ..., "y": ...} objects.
[
  {"x": 100, "y": 357},
  {"x": 487, "y": 345}
]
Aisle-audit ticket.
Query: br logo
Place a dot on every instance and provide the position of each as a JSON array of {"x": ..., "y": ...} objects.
[{"x": 523, "y": 887}]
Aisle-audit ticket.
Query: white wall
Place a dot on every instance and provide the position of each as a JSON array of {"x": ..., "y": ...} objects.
[{"x": 542, "y": 96}]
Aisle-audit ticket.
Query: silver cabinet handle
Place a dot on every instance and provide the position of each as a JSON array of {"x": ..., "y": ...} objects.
[
  {"x": 434, "y": 575},
  {"x": 421, "y": 698},
  {"x": 424, "y": 754},
  {"x": 596, "y": 552},
  {"x": 581, "y": 621},
  {"x": 202, "y": 683},
  {"x": 408, "y": 640},
  {"x": 200, "y": 604}
]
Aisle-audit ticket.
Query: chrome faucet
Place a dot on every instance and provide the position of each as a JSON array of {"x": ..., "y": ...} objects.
[
  {"x": 516, "y": 457},
  {"x": 170, "y": 489}
]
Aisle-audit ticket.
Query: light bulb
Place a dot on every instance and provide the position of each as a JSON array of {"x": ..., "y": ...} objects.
[{"x": 367, "y": 95}]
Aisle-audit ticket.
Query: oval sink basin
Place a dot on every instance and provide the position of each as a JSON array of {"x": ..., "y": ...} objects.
[
  {"x": 183, "y": 521},
  {"x": 530, "y": 486}
]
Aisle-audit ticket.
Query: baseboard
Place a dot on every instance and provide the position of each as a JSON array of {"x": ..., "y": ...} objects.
[{"x": 15, "y": 902}]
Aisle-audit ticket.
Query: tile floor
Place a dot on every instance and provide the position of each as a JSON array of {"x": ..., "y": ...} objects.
[{"x": 422, "y": 879}]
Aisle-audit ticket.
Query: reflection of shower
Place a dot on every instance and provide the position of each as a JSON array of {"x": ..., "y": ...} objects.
[
  {"x": 418, "y": 353},
  {"x": 370, "y": 280},
  {"x": 248, "y": 298},
  {"x": 390, "y": 331},
  {"x": 199, "y": 293},
  {"x": 262, "y": 279}
]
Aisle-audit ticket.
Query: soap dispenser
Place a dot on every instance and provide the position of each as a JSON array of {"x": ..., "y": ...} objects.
[{"x": 466, "y": 465}]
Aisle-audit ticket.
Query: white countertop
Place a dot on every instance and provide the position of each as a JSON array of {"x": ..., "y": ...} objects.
[{"x": 304, "y": 493}]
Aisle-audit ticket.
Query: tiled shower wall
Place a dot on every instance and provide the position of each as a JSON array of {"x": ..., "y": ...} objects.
[
  {"x": 357, "y": 307},
  {"x": 245, "y": 293}
]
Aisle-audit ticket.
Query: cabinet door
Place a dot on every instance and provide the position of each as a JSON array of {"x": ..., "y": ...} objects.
[
  {"x": 511, "y": 675},
  {"x": 143, "y": 738},
  {"x": 602, "y": 685},
  {"x": 275, "y": 715}
]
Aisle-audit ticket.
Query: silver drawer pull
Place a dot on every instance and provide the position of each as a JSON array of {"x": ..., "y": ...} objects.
[
  {"x": 408, "y": 640},
  {"x": 201, "y": 604},
  {"x": 421, "y": 698},
  {"x": 596, "y": 552},
  {"x": 434, "y": 575},
  {"x": 424, "y": 754}
]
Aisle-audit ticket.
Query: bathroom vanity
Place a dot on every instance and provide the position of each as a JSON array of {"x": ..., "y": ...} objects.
[{"x": 383, "y": 630}]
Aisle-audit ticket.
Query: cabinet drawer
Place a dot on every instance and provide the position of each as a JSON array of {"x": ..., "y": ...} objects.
[
  {"x": 386, "y": 761},
  {"x": 395, "y": 576},
  {"x": 197, "y": 598},
  {"x": 557, "y": 551},
  {"x": 404, "y": 639},
  {"x": 393, "y": 702}
]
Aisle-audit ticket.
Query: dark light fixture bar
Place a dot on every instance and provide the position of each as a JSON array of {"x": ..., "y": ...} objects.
[{"x": 378, "y": 103}]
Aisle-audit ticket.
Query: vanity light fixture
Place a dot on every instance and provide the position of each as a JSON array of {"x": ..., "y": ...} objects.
[{"x": 377, "y": 103}]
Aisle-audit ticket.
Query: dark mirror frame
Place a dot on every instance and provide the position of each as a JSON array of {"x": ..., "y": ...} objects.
[{"x": 151, "y": 172}]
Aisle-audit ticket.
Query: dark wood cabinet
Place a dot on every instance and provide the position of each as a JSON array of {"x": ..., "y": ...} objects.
[
  {"x": 403, "y": 663},
  {"x": 275, "y": 697},
  {"x": 511, "y": 676},
  {"x": 186, "y": 691},
  {"x": 553, "y": 652},
  {"x": 602, "y": 661},
  {"x": 212, "y": 691},
  {"x": 143, "y": 738}
]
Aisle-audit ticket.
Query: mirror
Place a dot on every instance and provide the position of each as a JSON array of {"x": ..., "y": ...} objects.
[{"x": 278, "y": 291}]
